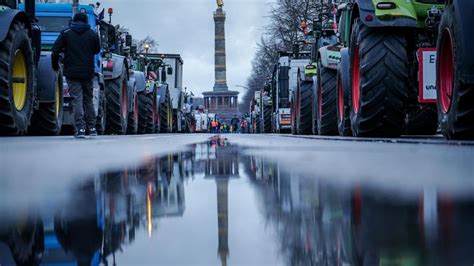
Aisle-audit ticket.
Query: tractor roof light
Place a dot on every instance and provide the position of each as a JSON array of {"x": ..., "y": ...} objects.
[
  {"x": 110, "y": 11},
  {"x": 386, "y": 5}
]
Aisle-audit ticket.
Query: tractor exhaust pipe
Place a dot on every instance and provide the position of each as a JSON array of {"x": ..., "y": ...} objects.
[
  {"x": 75, "y": 7},
  {"x": 30, "y": 8}
]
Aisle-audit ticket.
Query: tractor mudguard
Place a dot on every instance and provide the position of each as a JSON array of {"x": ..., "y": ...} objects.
[
  {"x": 140, "y": 80},
  {"x": 47, "y": 79},
  {"x": 330, "y": 56},
  {"x": 6, "y": 19},
  {"x": 464, "y": 10},
  {"x": 368, "y": 16},
  {"x": 119, "y": 62},
  {"x": 344, "y": 66}
]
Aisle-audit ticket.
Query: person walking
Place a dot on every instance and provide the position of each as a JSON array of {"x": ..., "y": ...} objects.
[{"x": 79, "y": 45}]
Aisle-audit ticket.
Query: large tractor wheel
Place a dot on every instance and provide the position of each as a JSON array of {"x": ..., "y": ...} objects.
[
  {"x": 304, "y": 108},
  {"x": 102, "y": 114},
  {"x": 17, "y": 81},
  {"x": 379, "y": 78},
  {"x": 267, "y": 119},
  {"x": 422, "y": 121},
  {"x": 343, "y": 108},
  {"x": 455, "y": 99},
  {"x": 257, "y": 126},
  {"x": 144, "y": 113},
  {"x": 166, "y": 115},
  {"x": 132, "y": 125},
  {"x": 116, "y": 93},
  {"x": 294, "y": 114},
  {"x": 326, "y": 118},
  {"x": 48, "y": 119}
]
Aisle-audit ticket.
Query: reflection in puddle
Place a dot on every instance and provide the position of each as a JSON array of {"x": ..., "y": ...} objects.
[{"x": 182, "y": 208}]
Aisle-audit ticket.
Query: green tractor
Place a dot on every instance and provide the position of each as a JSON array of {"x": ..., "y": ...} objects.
[
  {"x": 158, "y": 110},
  {"x": 387, "y": 84}
]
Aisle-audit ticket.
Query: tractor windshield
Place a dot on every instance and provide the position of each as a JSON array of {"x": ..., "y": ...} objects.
[{"x": 53, "y": 24}]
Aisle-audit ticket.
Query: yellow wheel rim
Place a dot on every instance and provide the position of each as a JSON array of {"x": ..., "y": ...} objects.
[
  {"x": 20, "y": 80},
  {"x": 58, "y": 99}
]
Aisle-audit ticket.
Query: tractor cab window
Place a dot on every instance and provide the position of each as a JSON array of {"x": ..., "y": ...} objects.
[{"x": 53, "y": 24}]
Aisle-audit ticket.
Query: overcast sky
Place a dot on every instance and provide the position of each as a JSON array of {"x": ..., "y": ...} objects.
[{"x": 186, "y": 27}]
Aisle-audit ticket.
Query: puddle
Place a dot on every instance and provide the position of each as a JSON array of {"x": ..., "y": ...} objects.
[{"x": 215, "y": 204}]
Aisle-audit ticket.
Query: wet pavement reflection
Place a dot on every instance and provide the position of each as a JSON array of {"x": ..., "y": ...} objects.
[{"x": 216, "y": 204}]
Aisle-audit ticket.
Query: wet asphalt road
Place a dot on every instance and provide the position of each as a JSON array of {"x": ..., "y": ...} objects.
[{"x": 236, "y": 200}]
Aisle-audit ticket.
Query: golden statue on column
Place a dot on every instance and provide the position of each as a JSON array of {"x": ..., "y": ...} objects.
[{"x": 220, "y": 3}]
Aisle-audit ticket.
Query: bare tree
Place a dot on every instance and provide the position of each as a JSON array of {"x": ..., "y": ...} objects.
[
  {"x": 280, "y": 34},
  {"x": 153, "y": 44}
]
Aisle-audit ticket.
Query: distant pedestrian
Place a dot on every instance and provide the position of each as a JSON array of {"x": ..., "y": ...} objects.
[
  {"x": 79, "y": 45},
  {"x": 235, "y": 124}
]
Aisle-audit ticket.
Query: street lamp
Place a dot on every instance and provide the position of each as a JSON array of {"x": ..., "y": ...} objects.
[{"x": 147, "y": 47}]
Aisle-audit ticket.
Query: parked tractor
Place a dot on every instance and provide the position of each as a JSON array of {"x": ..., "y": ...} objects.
[
  {"x": 119, "y": 94},
  {"x": 326, "y": 56},
  {"x": 300, "y": 94},
  {"x": 30, "y": 91},
  {"x": 455, "y": 70},
  {"x": 390, "y": 66},
  {"x": 265, "y": 106},
  {"x": 157, "y": 94}
]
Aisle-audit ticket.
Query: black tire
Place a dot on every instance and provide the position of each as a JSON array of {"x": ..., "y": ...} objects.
[
  {"x": 456, "y": 118},
  {"x": 145, "y": 119},
  {"x": 326, "y": 117},
  {"x": 294, "y": 115},
  {"x": 305, "y": 107},
  {"x": 48, "y": 119},
  {"x": 258, "y": 126},
  {"x": 267, "y": 119},
  {"x": 117, "y": 107},
  {"x": 132, "y": 124},
  {"x": 379, "y": 110},
  {"x": 157, "y": 107},
  {"x": 151, "y": 126},
  {"x": 12, "y": 120},
  {"x": 422, "y": 121},
  {"x": 101, "y": 123},
  {"x": 343, "y": 108},
  {"x": 166, "y": 115}
]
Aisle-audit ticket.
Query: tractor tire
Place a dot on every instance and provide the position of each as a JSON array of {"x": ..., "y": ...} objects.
[
  {"x": 455, "y": 98},
  {"x": 326, "y": 118},
  {"x": 267, "y": 119},
  {"x": 48, "y": 119},
  {"x": 132, "y": 125},
  {"x": 258, "y": 128},
  {"x": 422, "y": 121},
  {"x": 156, "y": 114},
  {"x": 17, "y": 81},
  {"x": 304, "y": 108},
  {"x": 294, "y": 116},
  {"x": 116, "y": 93},
  {"x": 151, "y": 126},
  {"x": 102, "y": 114},
  {"x": 166, "y": 115},
  {"x": 144, "y": 113},
  {"x": 379, "y": 79},
  {"x": 343, "y": 108}
]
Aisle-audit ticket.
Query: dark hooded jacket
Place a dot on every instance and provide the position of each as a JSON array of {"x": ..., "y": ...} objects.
[{"x": 79, "y": 45}]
